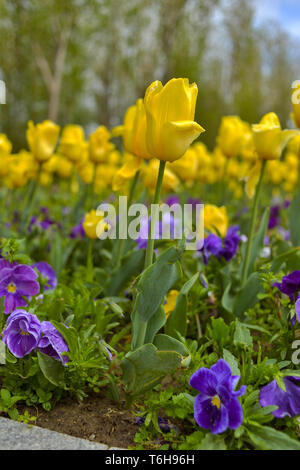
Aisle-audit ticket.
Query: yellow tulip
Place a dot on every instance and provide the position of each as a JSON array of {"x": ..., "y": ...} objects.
[
  {"x": 99, "y": 145},
  {"x": 21, "y": 167},
  {"x": 170, "y": 302},
  {"x": 133, "y": 131},
  {"x": 186, "y": 167},
  {"x": 94, "y": 225},
  {"x": 46, "y": 178},
  {"x": 4, "y": 164},
  {"x": 170, "y": 112},
  {"x": 42, "y": 139},
  {"x": 126, "y": 172},
  {"x": 276, "y": 171},
  {"x": 252, "y": 179},
  {"x": 72, "y": 143},
  {"x": 114, "y": 157},
  {"x": 269, "y": 138},
  {"x": 296, "y": 105},
  {"x": 215, "y": 219},
  {"x": 5, "y": 145},
  {"x": 294, "y": 145},
  {"x": 51, "y": 165},
  {"x": 86, "y": 172},
  {"x": 232, "y": 135}
]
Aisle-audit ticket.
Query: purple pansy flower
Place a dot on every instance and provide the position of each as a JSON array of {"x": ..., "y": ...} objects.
[
  {"x": 217, "y": 407},
  {"x": 48, "y": 273},
  {"x": 77, "y": 231},
  {"x": 194, "y": 201},
  {"x": 288, "y": 401},
  {"x": 43, "y": 221},
  {"x": 290, "y": 284},
  {"x": 22, "y": 333},
  {"x": 52, "y": 343},
  {"x": 172, "y": 200},
  {"x": 213, "y": 245},
  {"x": 16, "y": 282},
  {"x": 167, "y": 227},
  {"x": 274, "y": 217}
]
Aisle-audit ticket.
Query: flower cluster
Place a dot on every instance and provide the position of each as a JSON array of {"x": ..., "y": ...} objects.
[
  {"x": 18, "y": 282},
  {"x": 217, "y": 407}
]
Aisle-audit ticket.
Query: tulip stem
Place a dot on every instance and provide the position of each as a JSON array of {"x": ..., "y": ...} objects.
[
  {"x": 150, "y": 243},
  {"x": 90, "y": 266},
  {"x": 253, "y": 224}
]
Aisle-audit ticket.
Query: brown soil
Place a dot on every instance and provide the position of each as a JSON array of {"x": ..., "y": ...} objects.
[{"x": 96, "y": 418}]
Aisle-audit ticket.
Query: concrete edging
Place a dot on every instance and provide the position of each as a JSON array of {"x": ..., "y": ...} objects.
[{"x": 21, "y": 436}]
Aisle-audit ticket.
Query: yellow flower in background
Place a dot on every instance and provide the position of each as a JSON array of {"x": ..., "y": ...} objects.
[
  {"x": 72, "y": 143},
  {"x": 133, "y": 131},
  {"x": 4, "y": 165},
  {"x": 94, "y": 224},
  {"x": 232, "y": 136},
  {"x": 126, "y": 172},
  {"x": 46, "y": 178},
  {"x": 170, "y": 112},
  {"x": 42, "y": 139},
  {"x": 296, "y": 105},
  {"x": 5, "y": 146},
  {"x": 170, "y": 302},
  {"x": 100, "y": 145},
  {"x": 86, "y": 171},
  {"x": 186, "y": 167},
  {"x": 218, "y": 163},
  {"x": 150, "y": 173},
  {"x": 294, "y": 145},
  {"x": 104, "y": 176},
  {"x": 114, "y": 157},
  {"x": 276, "y": 171},
  {"x": 252, "y": 179},
  {"x": 21, "y": 168},
  {"x": 50, "y": 165},
  {"x": 269, "y": 138},
  {"x": 215, "y": 219}
]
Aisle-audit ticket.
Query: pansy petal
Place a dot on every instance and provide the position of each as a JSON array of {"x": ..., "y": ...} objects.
[
  {"x": 222, "y": 371},
  {"x": 210, "y": 417},
  {"x": 235, "y": 414},
  {"x": 205, "y": 381}
]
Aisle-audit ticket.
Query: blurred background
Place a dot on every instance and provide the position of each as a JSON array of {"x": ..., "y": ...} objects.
[{"x": 86, "y": 61}]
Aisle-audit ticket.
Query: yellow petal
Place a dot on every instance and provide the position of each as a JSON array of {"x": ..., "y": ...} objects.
[
  {"x": 176, "y": 139},
  {"x": 253, "y": 180}
]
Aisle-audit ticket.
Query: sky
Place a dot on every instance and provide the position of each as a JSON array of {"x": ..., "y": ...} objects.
[{"x": 286, "y": 12}]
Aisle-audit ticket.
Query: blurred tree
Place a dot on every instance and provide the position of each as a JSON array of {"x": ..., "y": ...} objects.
[{"x": 86, "y": 61}]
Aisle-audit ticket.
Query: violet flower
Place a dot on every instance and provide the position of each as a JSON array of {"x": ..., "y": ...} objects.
[
  {"x": 47, "y": 273},
  {"x": 167, "y": 228},
  {"x": 288, "y": 401},
  {"x": 172, "y": 200},
  {"x": 52, "y": 343},
  {"x": 22, "y": 333},
  {"x": 290, "y": 284},
  {"x": 217, "y": 407},
  {"x": 77, "y": 231},
  {"x": 194, "y": 201},
  {"x": 213, "y": 245},
  {"x": 16, "y": 282},
  {"x": 274, "y": 219}
]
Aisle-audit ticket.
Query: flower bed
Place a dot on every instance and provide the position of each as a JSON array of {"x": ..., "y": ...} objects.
[{"x": 153, "y": 341}]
